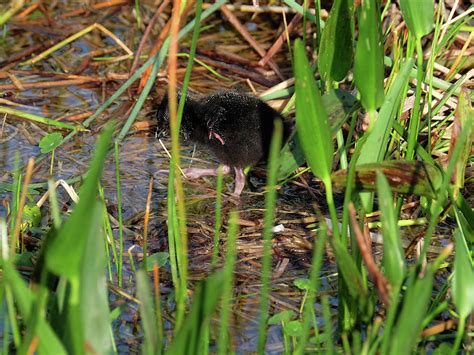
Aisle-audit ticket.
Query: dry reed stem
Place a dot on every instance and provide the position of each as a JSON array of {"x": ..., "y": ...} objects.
[
  {"x": 249, "y": 38},
  {"x": 94, "y": 7},
  {"x": 280, "y": 40},
  {"x": 147, "y": 33},
  {"x": 48, "y": 84},
  {"x": 75, "y": 37}
]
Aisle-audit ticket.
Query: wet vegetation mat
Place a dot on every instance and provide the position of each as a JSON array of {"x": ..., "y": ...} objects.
[{"x": 354, "y": 234}]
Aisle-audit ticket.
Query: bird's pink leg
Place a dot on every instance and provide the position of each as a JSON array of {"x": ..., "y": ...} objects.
[
  {"x": 239, "y": 181},
  {"x": 196, "y": 173}
]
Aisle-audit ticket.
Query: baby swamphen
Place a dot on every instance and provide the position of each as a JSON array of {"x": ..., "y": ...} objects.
[{"x": 235, "y": 127}]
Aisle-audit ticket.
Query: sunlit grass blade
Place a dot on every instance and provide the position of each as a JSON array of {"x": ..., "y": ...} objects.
[
  {"x": 393, "y": 258},
  {"x": 335, "y": 54},
  {"x": 368, "y": 64},
  {"x": 143, "y": 95}
]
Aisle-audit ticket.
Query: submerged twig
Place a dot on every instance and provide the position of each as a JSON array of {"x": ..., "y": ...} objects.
[{"x": 76, "y": 36}]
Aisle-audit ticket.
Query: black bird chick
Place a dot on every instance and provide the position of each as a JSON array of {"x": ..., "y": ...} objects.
[{"x": 235, "y": 127}]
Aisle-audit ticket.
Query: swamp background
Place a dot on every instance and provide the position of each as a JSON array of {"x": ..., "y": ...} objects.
[{"x": 54, "y": 104}]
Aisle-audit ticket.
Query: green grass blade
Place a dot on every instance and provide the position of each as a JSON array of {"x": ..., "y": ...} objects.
[
  {"x": 393, "y": 257},
  {"x": 317, "y": 258},
  {"x": 49, "y": 343},
  {"x": 39, "y": 119},
  {"x": 376, "y": 145},
  {"x": 119, "y": 208},
  {"x": 151, "y": 343},
  {"x": 144, "y": 94},
  {"x": 218, "y": 218},
  {"x": 223, "y": 341},
  {"x": 205, "y": 300},
  {"x": 268, "y": 221},
  {"x": 407, "y": 330},
  {"x": 311, "y": 118}
]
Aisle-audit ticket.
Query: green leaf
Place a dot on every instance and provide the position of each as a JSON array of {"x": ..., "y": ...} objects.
[
  {"x": 463, "y": 282},
  {"x": 160, "y": 259},
  {"x": 339, "y": 105},
  {"x": 418, "y": 15},
  {"x": 368, "y": 66},
  {"x": 293, "y": 328},
  {"x": 335, "y": 55},
  {"x": 283, "y": 316},
  {"x": 50, "y": 142},
  {"x": 66, "y": 252},
  {"x": 393, "y": 257},
  {"x": 311, "y": 118},
  {"x": 304, "y": 284},
  {"x": 406, "y": 177},
  {"x": 376, "y": 145},
  {"x": 349, "y": 271},
  {"x": 31, "y": 216},
  {"x": 25, "y": 259}
]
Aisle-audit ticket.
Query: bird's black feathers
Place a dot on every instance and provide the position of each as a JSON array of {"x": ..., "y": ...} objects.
[{"x": 236, "y": 128}]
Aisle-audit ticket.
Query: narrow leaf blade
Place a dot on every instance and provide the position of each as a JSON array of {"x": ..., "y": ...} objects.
[{"x": 311, "y": 118}]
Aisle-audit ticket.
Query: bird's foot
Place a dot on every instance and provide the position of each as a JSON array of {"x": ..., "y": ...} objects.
[
  {"x": 239, "y": 181},
  {"x": 196, "y": 173}
]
